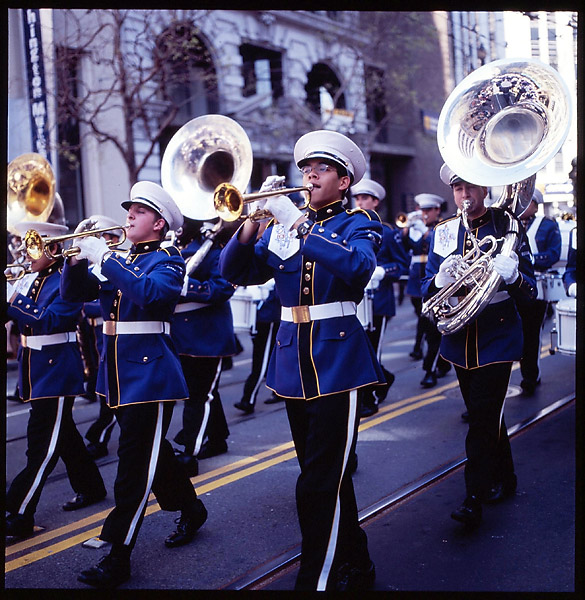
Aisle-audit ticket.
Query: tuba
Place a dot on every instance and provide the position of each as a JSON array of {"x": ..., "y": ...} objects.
[{"x": 499, "y": 127}]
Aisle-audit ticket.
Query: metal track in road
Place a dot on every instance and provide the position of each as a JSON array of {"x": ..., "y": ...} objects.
[{"x": 262, "y": 575}]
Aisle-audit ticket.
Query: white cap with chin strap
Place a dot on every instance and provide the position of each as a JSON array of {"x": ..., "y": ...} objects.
[
  {"x": 369, "y": 187},
  {"x": 155, "y": 197}
]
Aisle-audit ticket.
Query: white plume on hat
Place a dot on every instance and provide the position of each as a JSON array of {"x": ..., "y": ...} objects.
[
  {"x": 429, "y": 200},
  {"x": 154, "y": 196},
  {"x": 331, "y": 145},
  {"x": 43, "y": 229},
  {"x": 370, "y": 187}
]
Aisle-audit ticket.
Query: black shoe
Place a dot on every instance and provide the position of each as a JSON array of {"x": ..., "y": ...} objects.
[
  {"x": 81, "y": 501},
  {"x": 367, "y": 410},
  {"x": 187, "y": 525},
  {"x": 382, "y": 391},
  {"x": 465, "y": 417},
  {"x": 273, "y": 399},
  {"x": 97, "y": 450},
  {"x": 208, "y": 450},
  {"x": 439, "y": 373},
  {"x": 529, "y": 387},
  {"x": 502, "y": 490},
  {"x": 188, "y": 462},
  {"x": 416, "y": 354},
  {"x": 429, "y": 380},
  {"x": 469, "y": 513},
  {"x": 247, "y": 407},
  {"x": 351, "y": 578},
  {"x": 19, "y": 526},
  {"x": 110, "y": 572}
]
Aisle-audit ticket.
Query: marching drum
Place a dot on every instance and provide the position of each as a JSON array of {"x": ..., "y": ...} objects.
[
  {"x": 566, "y": 326},
  {"x": 550, "y": 287},
  {"x": 243, "y": 304}
]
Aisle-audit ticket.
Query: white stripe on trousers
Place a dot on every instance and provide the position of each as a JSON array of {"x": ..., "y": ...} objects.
[
  {"x": 332, "y": 545},
  {"x": 264, "y": 364},
  {"x": 381, "y": 339},
  {"x": 156, "y": 444},
  {"x": 206, "y": 411},
  {"x": 50, "y": 453}
]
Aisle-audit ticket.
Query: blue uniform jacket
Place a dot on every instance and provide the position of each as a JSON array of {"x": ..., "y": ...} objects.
[
  {"x": 92, "y": 310},
  {"x": 141, "y": 286},
  {"x": 393, "y": 258},
  {"x": 496, "y": 334},
  {"x": 418, "y": 260},
  {"x": 548, "y": 243},
  {"x": 333, "y": 264},
  {"x": 268, "y": 311},
  {"x": 55, "y": 370},
  {"x": 206, "y": 331},
  {"x": 570, "y": 274}
]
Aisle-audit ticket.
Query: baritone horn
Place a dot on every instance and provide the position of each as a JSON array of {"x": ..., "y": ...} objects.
[
  {"x": 206, "y": 164},
  {"x": 36, "y": 245},
  {"x": 500, "y": 126}
]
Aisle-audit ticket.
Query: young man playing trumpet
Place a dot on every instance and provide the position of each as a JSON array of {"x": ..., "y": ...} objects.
[
  {"x": 321, "y": 258},
  {"x": 50, "y": 375}
]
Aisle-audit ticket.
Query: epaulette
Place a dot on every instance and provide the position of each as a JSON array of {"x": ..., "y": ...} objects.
[
  {"x": 170, "y": 250},
  {"x": 371, "y": 214}
]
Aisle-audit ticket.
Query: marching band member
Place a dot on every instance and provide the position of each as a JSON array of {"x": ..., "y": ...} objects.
[
  {"x": 321, "y": 260},
  {"x": 570, "y": 274},
  {"x": 140, "y": 373},
  {"x": 263, "y": 340},
  {"x": 392, "y": 263},
  {"x": 484, "y": 349},
  {"x": 50, "y": 375},
  {"x": 99, "y": 432},
  {"x": 417, "y": 239},
  {"x": 203, "y": 333}
]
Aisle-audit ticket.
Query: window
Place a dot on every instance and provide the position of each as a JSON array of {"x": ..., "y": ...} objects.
[
  {"x": 262, "y": 72},
  {"x": 323, "y": 90}
]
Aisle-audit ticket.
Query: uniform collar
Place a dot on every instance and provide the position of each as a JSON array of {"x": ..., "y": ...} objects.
[
  {"x": 51, "y": 268},
  {"x": 326, "y": 212},
  {"x": 143, "y": 247},
  {"x": 483, "y": 220}
]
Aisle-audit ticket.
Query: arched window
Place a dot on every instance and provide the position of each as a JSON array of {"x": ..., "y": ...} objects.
[{"x": 323, "y": 90}]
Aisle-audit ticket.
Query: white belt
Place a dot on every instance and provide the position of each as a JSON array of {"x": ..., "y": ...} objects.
[
  {"x": 499, "y": 297},
  {"x": 419, "y": 258},
  {"x": 316, "y": 312},
  {"x": 125, "y": 327},
  {"x": 95, "y": 321},
  {"x": 36, "y": 342},
  {"x": 188, "y": 306}
]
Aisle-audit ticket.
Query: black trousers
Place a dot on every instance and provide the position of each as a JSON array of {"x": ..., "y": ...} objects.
[
  {"x": 370, "y": 395},
  {"x": 203, "y": 415},
  {"x": 52, "y": 434},
  {"x": 262, "y": 343},
  {"x": 146, "y": 461},
  {"x": 324, "y": 432},
  {"x": 489, "y": 456},
  {"x": 100, "y": 430},
  {"x": 533, "y": 314}
]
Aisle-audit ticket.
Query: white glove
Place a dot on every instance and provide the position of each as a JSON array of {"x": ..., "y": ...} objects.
[
  {"x": 85, "y": 225},
  {"x": 272, "y": 182},
  {"x": 92, "y": 248},
  {"x": 572, "y": 291},
  {"x": 378, "y": 274},
  {"x": 284, "y": 210},
  {"x": 445, "y": 276},
  {"x": 507, "y": 267},
  {"x": 419, "y": 226}
]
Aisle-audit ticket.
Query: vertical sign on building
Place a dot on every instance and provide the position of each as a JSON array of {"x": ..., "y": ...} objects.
[{"x": 35, "y": 67}]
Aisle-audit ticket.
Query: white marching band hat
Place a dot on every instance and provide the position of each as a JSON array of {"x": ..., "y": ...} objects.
[
  {"x": 537, "y": 196},
  {"x": 154, "y": 196},
  {"x": 428, "y": 200},
  {"x": 333, "y": 146},
  {"x": 42, "y": 228},
  {"x": 103, "y": 222},
  {"x": 370, "y": 187},
  {"x": 448, "y": 176}
]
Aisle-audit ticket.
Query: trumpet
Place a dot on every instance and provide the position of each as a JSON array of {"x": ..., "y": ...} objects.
[
  {"x": 229, "y": 202},
  {"x": 407, "y": 220},
  {"x": 24, "y": 269},
  {"x": 35, "y": 245}
]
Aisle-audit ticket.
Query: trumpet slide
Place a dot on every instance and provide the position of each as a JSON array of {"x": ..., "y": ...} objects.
[
  {"x": 36, "y": 245},
  {"x": 229, "y": 202}
]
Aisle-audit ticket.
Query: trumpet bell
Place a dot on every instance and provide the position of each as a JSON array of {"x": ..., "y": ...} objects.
[
  {"x": 204, "y": 153},
  {"x": 504, "y": 121},
  {"x": 30, "y": 189}
]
